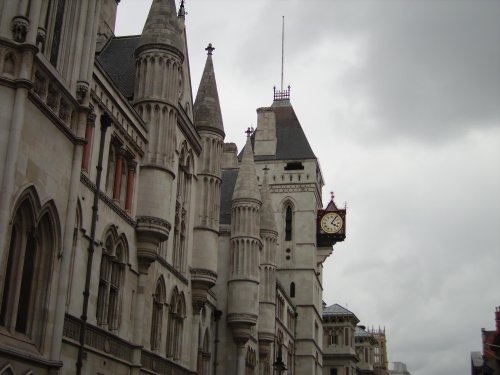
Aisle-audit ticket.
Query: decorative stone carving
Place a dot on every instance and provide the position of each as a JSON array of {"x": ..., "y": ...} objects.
[
  {"x": 40, "y": 38},
  {"x": 40, "y": 85},
  {"x": 20, "y": 26},
  {"x": 82, "y": 88}
]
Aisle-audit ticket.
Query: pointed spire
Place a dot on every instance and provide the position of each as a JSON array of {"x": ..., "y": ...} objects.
[
  {"x": 162, "y": 27},
  {"x": 246, "y": 184},
  {"x": 206, "y": 109},
  {"x": 267, "y": 220}
]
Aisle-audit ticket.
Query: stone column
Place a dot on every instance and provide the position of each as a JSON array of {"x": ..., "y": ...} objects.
[
  {"x": 64, "y": 272},
  {"x": 240, "y": 357},
  {"x": 118, "y": 175},
  {"x": 23, "y": 84},
  {"x": 132, "y": 165},
  {"x": 195, "y": 339},
  {"x": 89, "y": 134}
]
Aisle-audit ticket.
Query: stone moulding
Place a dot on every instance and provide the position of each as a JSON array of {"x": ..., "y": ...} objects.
[
  {"x": 240, "y": 318},
  {"x": 203, "y": 274},
  {"x": 157, "y": 364},
  {"x": 99, "y": 339},
  {"x": 155, "y": 226},
  {"x": 107, "y": 200}
]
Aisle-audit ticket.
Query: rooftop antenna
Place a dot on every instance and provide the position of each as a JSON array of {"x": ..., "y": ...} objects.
[{"x": 282, "y": 49}]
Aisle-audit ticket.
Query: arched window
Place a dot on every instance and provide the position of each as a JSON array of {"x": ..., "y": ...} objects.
[
  {"x": 32, "y": 246},
  {"x": 110, "y": 283},
  {"x": 288, "y": 223},
  {"x": 157, "y": 314},
  {"x": 292, "y": 289},
  {"x": 175, "y": 332},
  {"x": 204, "y": 355}
]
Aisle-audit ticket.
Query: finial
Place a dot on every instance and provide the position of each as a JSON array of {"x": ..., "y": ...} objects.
[
  {"x": 332, "y": 195},
  {"x": 182, "y": 11},
  {"x": 210, "y": 49},
  {"x": 248, "y": 131}
]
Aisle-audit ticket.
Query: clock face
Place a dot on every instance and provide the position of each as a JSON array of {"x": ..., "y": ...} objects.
[{"x": 331, "y": 222}]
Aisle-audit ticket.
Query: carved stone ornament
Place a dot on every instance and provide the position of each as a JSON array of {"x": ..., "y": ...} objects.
[
  {"x": 82, "y": 88},
  {"x": 20, "y": 28},
  {"x": 40, "y": 38},
  {"x": 154, "y": 226}
]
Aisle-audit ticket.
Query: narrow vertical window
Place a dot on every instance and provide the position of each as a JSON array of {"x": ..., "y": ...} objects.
[
  {"x": 157, "y": 315},
  {"x": 110, "y": 284},
  {"x": 292, "y": 289},
  {"x": 56, "y": 38},
  {"x": 288, "y": 224},
  {"x": 26, "y": 283},
  {"x": 7, "y": 286}
]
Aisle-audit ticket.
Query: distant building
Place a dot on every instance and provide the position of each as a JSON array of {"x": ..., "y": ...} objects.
[
  {"x": 351, "y": 349},
  {"x": 488, "y": 362},
  {"x": 399, "y": 368}
]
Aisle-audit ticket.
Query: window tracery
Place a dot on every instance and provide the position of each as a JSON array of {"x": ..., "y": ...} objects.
[
  {"x": 111, "y": 278},
  {"x": 31, "y": 250},
  {"x": 157, "y": 314},
  {"x": 175, "y": 327}
]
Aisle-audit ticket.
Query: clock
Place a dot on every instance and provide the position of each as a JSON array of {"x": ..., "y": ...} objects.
[{"x": 331, "y": 222}]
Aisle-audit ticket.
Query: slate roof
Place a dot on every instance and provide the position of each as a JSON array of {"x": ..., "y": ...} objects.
[
  {"x": 229, "y": 177},
  {"x": 118, "y": 61},
  {"x": 337, "y": 310},
  {"x": 360, "y": 332},
  {"x": 292, "y": 143}
]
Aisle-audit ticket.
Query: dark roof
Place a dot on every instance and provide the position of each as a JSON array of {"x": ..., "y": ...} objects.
[
  {"x": 292, "y": 143},
  {"x": 229, "y": 177},
  {"x": 118, "y": 60}
]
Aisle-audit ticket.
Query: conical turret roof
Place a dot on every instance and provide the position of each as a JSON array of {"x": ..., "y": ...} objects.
[
  {"x": 162, "y": 28},
  {"x": 267, "y": 220},
  {"x": 246, "y": 186},
  {"x": 206, "y": 109}
]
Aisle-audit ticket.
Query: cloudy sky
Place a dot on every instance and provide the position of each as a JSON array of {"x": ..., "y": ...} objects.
[{"x": 400, "y": 101}]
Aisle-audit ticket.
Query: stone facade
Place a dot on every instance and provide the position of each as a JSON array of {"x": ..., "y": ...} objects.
[{"x": 133, "y": 239}]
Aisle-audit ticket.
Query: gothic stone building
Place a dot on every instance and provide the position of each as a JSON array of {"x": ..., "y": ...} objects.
[{"x": 133, "y": 240}]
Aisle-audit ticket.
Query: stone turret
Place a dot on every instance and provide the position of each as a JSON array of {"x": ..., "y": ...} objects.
[
  {"x": 208, "y": 122},
  {"x": 243, "y": 284},
  {"x": 159, "y": 59},
  {"x": 267, "y": 286}
]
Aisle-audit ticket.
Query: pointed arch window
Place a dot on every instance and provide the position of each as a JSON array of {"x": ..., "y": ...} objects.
[
  {"x": 157, "y": 314},
  {"x": 204, "y": 355},
  {"x": 288, "y": 222},
  {"x": 292, "y": 289},
  {"x": 32, "y": 244},
  {"x": 111, "y": 284},
  {"x": 176, "y": 325}
]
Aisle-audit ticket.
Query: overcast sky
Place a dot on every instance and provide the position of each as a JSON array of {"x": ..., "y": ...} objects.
[{"x": 400, "y": 101}]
